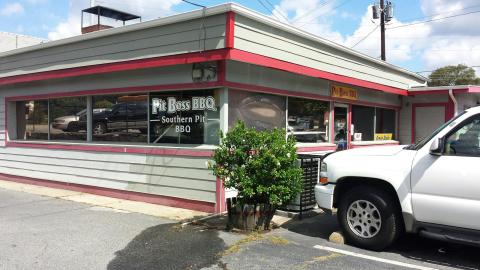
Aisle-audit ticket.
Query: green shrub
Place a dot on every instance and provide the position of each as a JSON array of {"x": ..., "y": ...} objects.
[{"x": 261, "y": 165}]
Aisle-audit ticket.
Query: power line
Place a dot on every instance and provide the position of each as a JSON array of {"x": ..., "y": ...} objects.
[
  {"x": 279, "y": 11},
  {"x": 268, "y": 10},
  {"x": 311, "y": 11},
  {"x": 192, "y": 3},
  {"x": 337, "y": 6},
  {"x": 433, "y": 20},
  {"x": 433, "y": 15},
  {"x": 365, "y": 37}
]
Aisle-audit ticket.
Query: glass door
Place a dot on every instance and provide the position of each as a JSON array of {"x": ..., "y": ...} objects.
[{"x": 340, "y": 126}]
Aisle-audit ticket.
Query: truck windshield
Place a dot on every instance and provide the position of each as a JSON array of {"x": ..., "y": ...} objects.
[{"x": 423, "y": 141}]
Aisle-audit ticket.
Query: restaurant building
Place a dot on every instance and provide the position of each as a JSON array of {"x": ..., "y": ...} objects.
[{"x": 134, "y": 112}]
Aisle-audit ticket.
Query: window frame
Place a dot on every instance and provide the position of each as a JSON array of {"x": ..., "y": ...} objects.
[{"x": 455, "y": 130}]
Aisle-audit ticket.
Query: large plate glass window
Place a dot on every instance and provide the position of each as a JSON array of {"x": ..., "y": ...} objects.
[
  {"x": 67, "y": 118},
  {"x": 363, "y": 121},
  {"x": 308, "y": 119},
  {"x": 120, "y": 118},
  {"x": 385, "y": 124},
  {"x": 261, "y": 111},
  {"x": 32, "y": 120},
  {"x": 185, "y": 117}
]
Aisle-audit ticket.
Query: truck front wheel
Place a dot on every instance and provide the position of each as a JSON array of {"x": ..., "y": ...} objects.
[{"x": 369, "y": 218}]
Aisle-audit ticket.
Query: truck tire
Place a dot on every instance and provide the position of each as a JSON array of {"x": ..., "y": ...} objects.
[
  {"x": 369, "y": 218},
  {"x": 99, "y": 128}
]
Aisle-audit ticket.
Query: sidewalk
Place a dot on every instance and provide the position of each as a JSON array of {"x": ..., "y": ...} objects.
[{"x": 108, "y": 202}]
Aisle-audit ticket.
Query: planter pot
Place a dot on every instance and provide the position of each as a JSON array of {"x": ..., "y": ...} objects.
[{"x": 249, "y": 217}]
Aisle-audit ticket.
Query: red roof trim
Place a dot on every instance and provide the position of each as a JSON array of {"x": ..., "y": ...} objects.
[
  {"x": 188, "y": 58},
  {"x": 178, "y": 59},
  {"x": 265, "y": 61}
]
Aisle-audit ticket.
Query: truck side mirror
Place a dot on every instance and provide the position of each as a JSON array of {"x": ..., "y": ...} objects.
[{"x": 436, "y": 148}]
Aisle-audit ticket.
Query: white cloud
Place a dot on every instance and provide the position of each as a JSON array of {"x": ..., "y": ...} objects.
[
  {"x": 14, "y": 8},
  {"x": 401, "y": 43},
  {"x": 436, "y": 44},
  {"x": 148, "y": 9},
  {"x": 313, "y": 16}
]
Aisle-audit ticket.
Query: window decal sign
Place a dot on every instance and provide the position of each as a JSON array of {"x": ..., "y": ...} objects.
[
  {"x": 184, "y": 117},
  {"x": 172, "y": 105}
]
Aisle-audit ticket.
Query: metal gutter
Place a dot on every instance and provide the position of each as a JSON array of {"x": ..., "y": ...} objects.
[{"x": 455, "y": 103}]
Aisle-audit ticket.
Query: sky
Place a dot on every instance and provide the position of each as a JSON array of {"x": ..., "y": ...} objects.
[{"x": 411, "y": 42}]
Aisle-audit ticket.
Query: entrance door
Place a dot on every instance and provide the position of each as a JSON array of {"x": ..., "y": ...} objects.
[{"x": 340, "y": 126}]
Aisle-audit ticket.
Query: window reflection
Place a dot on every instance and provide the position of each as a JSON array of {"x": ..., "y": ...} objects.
[
  {"x": 261, "y": 111},
  {"x": 187, "y": 117},
  {"x": 66, "y": 118},
  {"x": 32, "y": 120},
  {"x": 308, "y": 119},
  {"x": 120, "y": 118}
]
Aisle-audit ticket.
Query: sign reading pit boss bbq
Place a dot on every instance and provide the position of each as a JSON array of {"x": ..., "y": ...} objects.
[
  {"x": 344, "y": 92},
  {"x": 171, "y": 106},
  {"x": 187, "y": 117}
]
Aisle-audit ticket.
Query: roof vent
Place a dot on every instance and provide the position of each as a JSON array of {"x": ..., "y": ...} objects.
[{"x": 112, "y": 15}]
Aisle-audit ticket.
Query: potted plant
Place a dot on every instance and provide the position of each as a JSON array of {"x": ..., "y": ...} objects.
[{"x": 262, "y": 166}]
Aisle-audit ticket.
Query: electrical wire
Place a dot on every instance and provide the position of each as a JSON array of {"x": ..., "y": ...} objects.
[
  {"x": 268, "y": 10},
  {"x": 194, "y": 4},
  {"x": 279, "y": 11},
  {"x": 433, "y": 20},
  {"x": 443, "y": 13},
  {"x": 337, "y": 6},
  {"x": 311, "y": 11},
  {"x": 365, "y": 37}
]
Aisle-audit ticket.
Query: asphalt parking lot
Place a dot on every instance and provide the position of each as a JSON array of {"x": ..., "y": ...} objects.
[{"x": 50, "y": 233}]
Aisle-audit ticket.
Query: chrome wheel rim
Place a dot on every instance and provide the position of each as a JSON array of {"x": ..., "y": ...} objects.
[
  {"x": 98, "y": 129},
  {"x": 364, "y": 219}
]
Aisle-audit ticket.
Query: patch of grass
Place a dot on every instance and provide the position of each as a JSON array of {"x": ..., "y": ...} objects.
[
  {"x": 252, "y": 237},
  {"x": 277, "y": 240}
]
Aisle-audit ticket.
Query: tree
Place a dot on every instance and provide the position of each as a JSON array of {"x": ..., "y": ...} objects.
[{"x": 453, "y": 75}]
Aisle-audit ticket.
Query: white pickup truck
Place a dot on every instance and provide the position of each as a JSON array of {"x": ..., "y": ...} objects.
[{"x": 431, "y": 188}]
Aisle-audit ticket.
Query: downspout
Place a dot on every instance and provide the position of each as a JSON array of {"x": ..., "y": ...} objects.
[{"x": 455, "y": 103}]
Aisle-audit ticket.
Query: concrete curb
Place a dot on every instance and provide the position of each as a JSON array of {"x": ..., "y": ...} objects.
[{"x": 124, "y": 206}]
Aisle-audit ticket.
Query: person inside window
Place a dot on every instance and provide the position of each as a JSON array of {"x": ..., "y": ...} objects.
[{"x": 341, "y": 140}]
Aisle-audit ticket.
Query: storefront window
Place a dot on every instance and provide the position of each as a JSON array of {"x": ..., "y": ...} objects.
[
  {"x": 363, "y": 121},
  {"x": 68, "y": 118},
  {"x": 261, "y": 111},
  {"x": 186, "y": 117},
  {"x": 308, "y": 119},
  {"x": 32, "y": 120},
  {"x": 120, "y": 118},
  {"x": 373, "y": 124},
  {"x": 385, "y": 124}
]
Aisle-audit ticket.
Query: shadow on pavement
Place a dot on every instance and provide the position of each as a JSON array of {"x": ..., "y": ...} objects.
[
  {"x": 321, "y": 225},
  {"x": 409, "y": 246},
  {"x": 170, "y": 246}
]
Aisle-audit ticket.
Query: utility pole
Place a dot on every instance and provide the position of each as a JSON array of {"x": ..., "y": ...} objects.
[
  {"x": 382, "y": 29},
  {"x": 384, "y": 12}
]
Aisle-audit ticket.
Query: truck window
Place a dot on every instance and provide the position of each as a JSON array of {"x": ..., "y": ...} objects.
[{"x": 465, "y": 140}]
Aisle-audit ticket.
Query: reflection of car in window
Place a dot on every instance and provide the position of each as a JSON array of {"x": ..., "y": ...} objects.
[
  {"x": 73, "y": 123},
  {"x": 123, "y": 116}
]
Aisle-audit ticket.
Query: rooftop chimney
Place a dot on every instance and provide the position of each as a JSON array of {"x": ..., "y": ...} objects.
[{"x": 101, "y": 11}]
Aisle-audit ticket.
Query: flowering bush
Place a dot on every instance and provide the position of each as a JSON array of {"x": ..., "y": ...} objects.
[{"x": 261, "y": 165}]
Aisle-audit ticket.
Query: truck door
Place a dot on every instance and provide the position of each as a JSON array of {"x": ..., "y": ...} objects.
[{"x": 446, "y": 187}]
